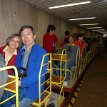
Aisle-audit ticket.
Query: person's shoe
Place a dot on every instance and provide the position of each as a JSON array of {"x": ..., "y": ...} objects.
[{"x": 51, "y": 105}]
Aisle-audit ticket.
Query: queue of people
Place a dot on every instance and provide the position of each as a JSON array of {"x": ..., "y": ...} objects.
[{"x": 22, "y": 51}]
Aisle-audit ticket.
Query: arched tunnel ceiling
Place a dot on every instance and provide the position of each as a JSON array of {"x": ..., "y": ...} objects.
[{"x": 97, "y": 8}]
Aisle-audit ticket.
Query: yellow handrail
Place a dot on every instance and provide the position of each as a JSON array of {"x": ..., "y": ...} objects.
[
  {"x": 58, "y": 80},
  {"x": 47, "y": 91},
  {"x": 11, "y": 85}
]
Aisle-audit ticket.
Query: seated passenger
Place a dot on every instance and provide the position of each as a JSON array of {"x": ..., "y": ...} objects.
[
  {"x": 81, "y": 43},
  {"x": 67, "y": 35},
  {"x": 28, "y": 62},
  {"x": 3, "y": 75},
  {"x": 71, "y": 48},
  {"x": 9, "y": 51},
  {"x": 71, "y": 53}
]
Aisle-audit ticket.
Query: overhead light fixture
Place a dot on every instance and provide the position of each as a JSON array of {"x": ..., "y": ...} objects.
[
  {"x": 88, "y": 18},
  {"x": 89, "y": 24},
  {"x": 105, "y": 35},
  {"x": 94, "y": 27},
  {"x": 70, "y": 4},
  {"x": 98, "y": 30}
]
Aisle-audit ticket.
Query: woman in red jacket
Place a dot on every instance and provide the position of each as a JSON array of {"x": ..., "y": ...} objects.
[
  {"x": 9, "y": 51},
  {"x": 81, "y": 43},
  {"x": 49, "y": 39}
]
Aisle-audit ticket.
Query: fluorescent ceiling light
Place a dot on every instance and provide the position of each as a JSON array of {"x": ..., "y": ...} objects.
[
  {"x": 82, "y": 18},
  {"x": 98, "y": 30},
  {"x": 70, "y": 4},
  {"x": 105, "y": 32},
  {"x": 105, "y": 35},
  {"x": 89, "y": 24},
  {"x": 94, "y": 27}
]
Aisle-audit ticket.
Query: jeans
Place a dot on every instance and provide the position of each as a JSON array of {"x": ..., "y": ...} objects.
[
  {"x": 26, "y": 102},
  {"x": 23, "y": 102},
  {"x": 69, "y": 65}
]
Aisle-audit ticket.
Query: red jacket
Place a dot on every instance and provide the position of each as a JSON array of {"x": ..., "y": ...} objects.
[
  {"x": 49, "y": 42},
  {"x": 10, "y": 62},
  {"x": 81, "y": 45}
]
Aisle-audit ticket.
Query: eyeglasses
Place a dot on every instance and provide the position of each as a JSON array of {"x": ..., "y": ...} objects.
[{"x": 12, "y": 40}]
